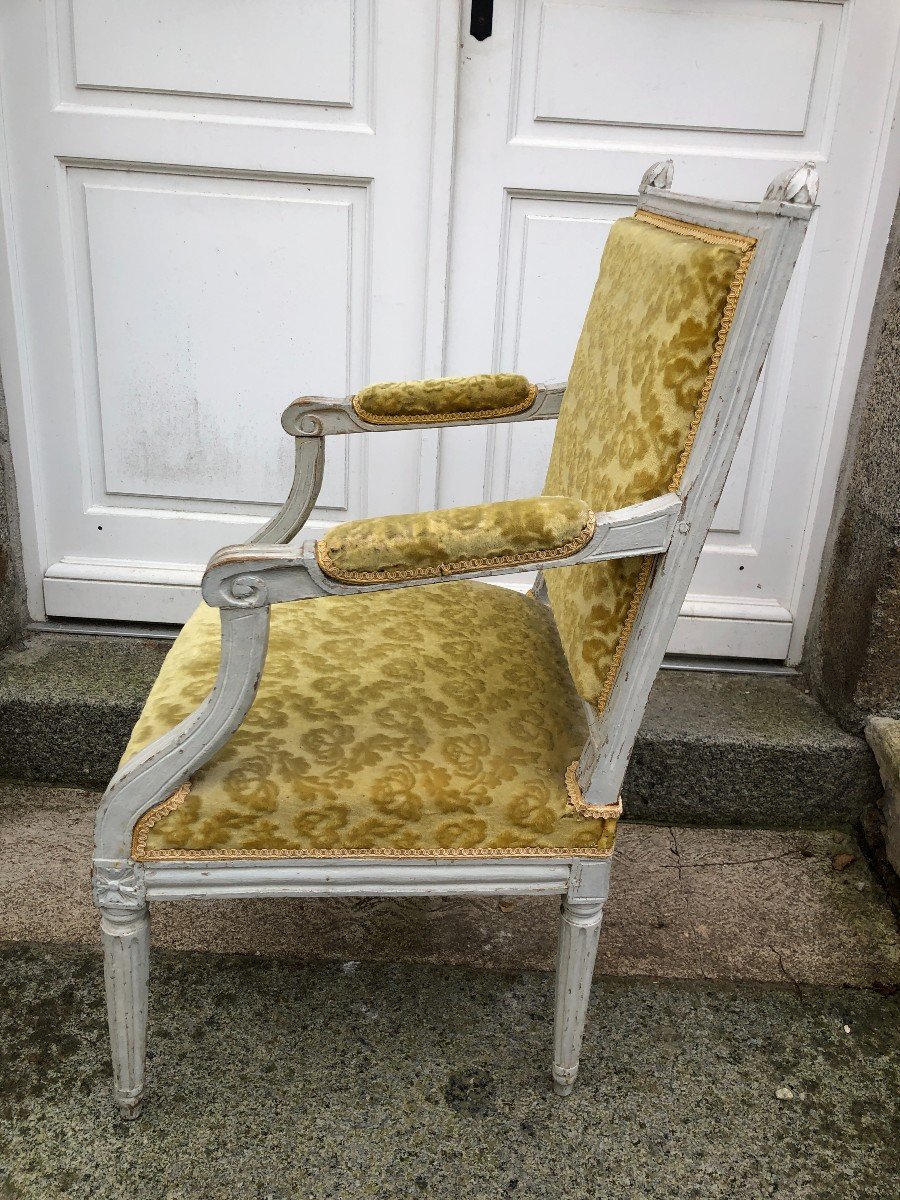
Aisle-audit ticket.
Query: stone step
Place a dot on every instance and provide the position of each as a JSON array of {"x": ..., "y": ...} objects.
[
  {"x": 798, "y": 906},
  {"x": 714, "y": 749}
]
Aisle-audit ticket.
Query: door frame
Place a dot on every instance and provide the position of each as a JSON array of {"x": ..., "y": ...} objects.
[{"x": 880, "y": 208}]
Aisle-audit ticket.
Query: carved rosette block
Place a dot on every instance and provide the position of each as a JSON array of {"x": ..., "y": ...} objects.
[{"x": 118, "y": 885}]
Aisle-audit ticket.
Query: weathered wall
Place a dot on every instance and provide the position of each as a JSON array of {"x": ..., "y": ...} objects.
[
  {"x": 853, "y": 646},
  {"x": 12, "y": 583}
]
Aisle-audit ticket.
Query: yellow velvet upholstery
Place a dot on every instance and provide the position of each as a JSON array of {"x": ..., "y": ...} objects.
[
  {"x": 465, "y": 398},
  {"x": 429, "y": 721},
  {"x": 445, "y": 721},
  {"x": 453, "y": 540},
  {"x": 643, "y": 369}
]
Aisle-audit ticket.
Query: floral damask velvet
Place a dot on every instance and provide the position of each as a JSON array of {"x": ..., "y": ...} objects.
[
  {"x": 430, "y": 544},
  {"x": 463, "y": 398},
  {"x": 643, "y": 368},
  {"x": 428, "y": 721}
]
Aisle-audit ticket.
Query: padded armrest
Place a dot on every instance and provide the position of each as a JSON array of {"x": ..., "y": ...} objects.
[
  {"x": 429, "y": 401},
  {"x": 254, "y": 576},
  {"x": 424, "y": 403},
  {"x": 454, "y": 540}
]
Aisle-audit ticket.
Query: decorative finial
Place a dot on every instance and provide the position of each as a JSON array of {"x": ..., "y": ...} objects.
[
  {"x": 796, "y": 185},
  {"x": 658, "y": 177}
]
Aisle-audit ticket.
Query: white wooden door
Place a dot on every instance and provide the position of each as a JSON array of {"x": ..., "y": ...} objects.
[
  {"x": 560, "y": 111},
  {"x": 209, "y": 208}
]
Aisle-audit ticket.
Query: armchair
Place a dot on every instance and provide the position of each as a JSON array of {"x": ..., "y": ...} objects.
[{"x": 365, "y": 716}]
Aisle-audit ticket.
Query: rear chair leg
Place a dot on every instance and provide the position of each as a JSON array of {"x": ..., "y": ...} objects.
[
  {"x": 126, "y": 964},
  {"x": 579, "y": 933}
]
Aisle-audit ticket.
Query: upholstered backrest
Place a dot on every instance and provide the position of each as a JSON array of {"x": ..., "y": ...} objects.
[{"x": 643, "y": 370}]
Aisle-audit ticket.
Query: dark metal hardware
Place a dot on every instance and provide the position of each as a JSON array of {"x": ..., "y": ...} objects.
[{"x": 482, "y": 20}]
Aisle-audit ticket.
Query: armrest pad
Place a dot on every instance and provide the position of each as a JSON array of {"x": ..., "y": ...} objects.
[
  {"x": 454, "y": 540},
  {"x": 428, "y": 401}
]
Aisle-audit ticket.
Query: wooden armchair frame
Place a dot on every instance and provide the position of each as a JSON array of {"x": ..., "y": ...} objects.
[{"x": 243, "y": 581}]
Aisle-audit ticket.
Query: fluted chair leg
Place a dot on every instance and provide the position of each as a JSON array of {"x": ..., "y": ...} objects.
[
  {"x": 579, "y": 933},
  {"x": 126, "y": 954}
]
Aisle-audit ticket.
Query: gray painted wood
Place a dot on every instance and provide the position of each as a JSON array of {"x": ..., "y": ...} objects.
[
  {"x": 126, "y": 969},
  {"x": 579, "y": 936},
  {"x": 244, "y": 581},
  {"x": 319, "y": 416},
  {"x": 309, "y": 466},
  {"x": 238, "y": 576}
]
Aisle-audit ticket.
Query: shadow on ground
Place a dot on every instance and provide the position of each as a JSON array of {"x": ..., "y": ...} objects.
[{"x": 276, "y": 1080}]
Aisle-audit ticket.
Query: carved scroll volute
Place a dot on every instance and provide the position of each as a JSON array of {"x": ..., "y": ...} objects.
[
  {"x": 316, "y": 416},
  {"x": 659, "y": 177},
  {"x": 301, "y": 420},
  {"x": 244, "y": 591},
  {"x": 235, "y": 576},
  {"x": 227, "y": 586},
  {"x": 796, "y": 185}
]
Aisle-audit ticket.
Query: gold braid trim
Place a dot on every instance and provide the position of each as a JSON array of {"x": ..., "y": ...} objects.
[
  {"x": 441, "y": 418},
  {"x": 149, "y": 819},
  {"x": 712, "y": 237},
  {"x": 440, "y": 570},
  {"x": 703, "y": 233},
  {"x": 141, "y": 853},
  {"x": 302, "y": 852},
  {"x": 599, "y": 812}
]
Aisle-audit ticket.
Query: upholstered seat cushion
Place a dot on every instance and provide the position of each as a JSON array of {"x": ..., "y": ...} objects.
[
  {"x": 431, "y": 721},
  {"x": 457, "y": 398},
  {"x": 453, "y": 540}
]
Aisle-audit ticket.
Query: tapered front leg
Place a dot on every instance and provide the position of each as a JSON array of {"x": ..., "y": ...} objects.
[
  {"x": 579, "y": 933},
  {"x": 126, "y": 965}
]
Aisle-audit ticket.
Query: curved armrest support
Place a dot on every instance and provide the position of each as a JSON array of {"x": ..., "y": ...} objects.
[
  {"x": 154, "y": 773},
  {"x": 255, "y": 576},
  {"x": 422, "y": 405}
]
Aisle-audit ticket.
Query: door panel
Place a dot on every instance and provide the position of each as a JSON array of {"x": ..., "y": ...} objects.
[
  {"x": 737, "y": 51},
  {"x": 187, "y": 325},
  {"x": 215, "y": 209},
  {"x": 590, "y": 71},
  {"x": 561, "y": 110},
  {"x": 250, "y": 49}
]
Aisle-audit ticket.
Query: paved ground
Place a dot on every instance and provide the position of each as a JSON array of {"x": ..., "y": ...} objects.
[
  {"x": 685, "y": 903},
  {"x": 716, "y": 1062},
  {"x": 272, "y": 1080}
]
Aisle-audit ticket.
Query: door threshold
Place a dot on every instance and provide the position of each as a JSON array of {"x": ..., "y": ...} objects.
[
  {"x": 727, "y": 666},
  {"x": 168, "y": 633},
  {"x": 129, "y": 629}
]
